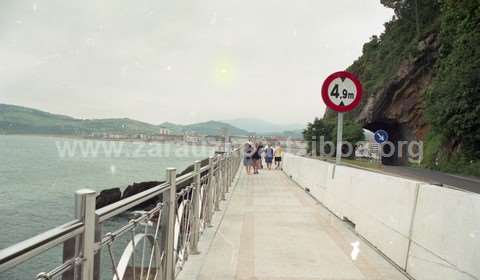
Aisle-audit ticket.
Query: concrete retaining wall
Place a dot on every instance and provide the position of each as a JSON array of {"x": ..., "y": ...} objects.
[
  {"x": 309, "y": 173},
  {"x": 430, "y": 232},
  {"x": 446, "y": 235}
]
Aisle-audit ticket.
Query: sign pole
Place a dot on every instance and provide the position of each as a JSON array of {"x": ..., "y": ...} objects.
[
  {"x": 381, "y": 136},
  {"x": 341, "y": 92},
  {"x": 338, "y": 159},
  {"x": 380, "y": 154},
  {"x": 339, "y": 138}
]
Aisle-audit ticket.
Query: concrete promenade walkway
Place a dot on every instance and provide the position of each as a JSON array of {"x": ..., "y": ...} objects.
[{"x": 272, "y": 230}]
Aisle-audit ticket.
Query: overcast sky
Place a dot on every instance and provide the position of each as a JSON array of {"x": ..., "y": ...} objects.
[{"x": 182, "y": 61}]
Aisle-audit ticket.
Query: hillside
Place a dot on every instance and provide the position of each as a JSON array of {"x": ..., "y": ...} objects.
[
  {"x": 214, "y": 128},
  {"x": 22, "y": 120},
  {"x": 208, "y": 128},
  {"x": 421, "y": 81},
  {"x": 263, "y": 127}
]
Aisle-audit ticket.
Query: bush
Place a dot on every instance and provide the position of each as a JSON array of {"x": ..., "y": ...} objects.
[
  {"x": 352, "y": 133},
  {"x": 453, "y": 102}
]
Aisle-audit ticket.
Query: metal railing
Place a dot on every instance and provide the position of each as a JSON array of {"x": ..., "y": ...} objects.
[{"x": 159, "y": 239}]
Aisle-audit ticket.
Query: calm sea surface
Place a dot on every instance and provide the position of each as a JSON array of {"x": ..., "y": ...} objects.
[{"x": 39, "y": 175}]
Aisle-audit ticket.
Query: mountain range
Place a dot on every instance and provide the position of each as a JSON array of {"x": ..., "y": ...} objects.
[
  {"x": 263, "y": 127},
  {"x": 22, "y": 120}
]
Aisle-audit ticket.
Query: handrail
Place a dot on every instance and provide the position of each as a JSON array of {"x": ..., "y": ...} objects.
[
  {"x": 205, "y": 168},
  {"x": 36, "y": 245},
  {"x": 184, "y": 178},
  {"x": 82, "y": 228},
  {"x": 123, "y": 205}
]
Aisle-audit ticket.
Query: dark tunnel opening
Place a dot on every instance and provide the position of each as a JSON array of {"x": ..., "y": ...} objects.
[{"x": 395, "y": 153}]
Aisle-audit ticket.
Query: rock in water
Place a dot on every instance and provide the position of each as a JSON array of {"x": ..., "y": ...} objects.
[
  {"x": 136, "y": 188},
  {"x": 107, "y": 197}
]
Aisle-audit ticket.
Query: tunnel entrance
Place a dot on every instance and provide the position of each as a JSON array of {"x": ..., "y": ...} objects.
[{"x": 398, "y": 136}]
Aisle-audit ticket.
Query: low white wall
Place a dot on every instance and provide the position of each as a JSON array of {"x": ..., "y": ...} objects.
[
  {"x": 417, "y": 226},
  {"x": 309, "y": 173},
  {"x": 446, "y": 235},
  {"x": 380, "y": 206}
]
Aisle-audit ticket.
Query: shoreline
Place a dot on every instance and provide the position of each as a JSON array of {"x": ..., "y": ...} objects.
[{"x": 126, "y": 140}]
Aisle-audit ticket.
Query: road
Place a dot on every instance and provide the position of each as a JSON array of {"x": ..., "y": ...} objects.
[
  {"x": 470, "y": 184},
  {"x": 435, "y": 177}
]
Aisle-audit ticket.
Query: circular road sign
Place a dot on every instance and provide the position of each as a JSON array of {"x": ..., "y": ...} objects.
[
  {"x": 381, "y": 136},
  {"x": 342, "y": 91}
]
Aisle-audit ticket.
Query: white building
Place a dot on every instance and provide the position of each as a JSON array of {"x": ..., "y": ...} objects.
[{"x": 164, "y": 131}]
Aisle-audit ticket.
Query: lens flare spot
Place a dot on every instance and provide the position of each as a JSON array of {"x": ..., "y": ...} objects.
[{"x": 224, "y": 71}]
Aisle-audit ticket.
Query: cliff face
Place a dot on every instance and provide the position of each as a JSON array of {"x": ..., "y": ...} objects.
[
  {"x": 399, "y": 104},
  {"x": 397, "y": 70},
  {"x": 421, "y": 82}
]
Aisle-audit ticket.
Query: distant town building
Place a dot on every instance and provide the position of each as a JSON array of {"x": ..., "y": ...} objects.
[
  {"x": 164, "y": 131},
  {"x": 193, "y": 139}
]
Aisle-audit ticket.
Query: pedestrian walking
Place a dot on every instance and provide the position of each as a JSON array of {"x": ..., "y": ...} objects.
[
  {"x": 249, "y": 150},
  {"x": 269, "y": 152},
  {"x": 278, "y": 157},
  {"x": 257, "y": 158}
]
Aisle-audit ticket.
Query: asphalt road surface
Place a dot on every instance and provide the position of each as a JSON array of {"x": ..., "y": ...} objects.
[
  {"x": 434, "y": 177},
  {"x": 471, "y": 184}
]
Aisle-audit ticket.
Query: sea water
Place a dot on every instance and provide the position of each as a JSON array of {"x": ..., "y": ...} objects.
[{"x": 39, "y": 176}]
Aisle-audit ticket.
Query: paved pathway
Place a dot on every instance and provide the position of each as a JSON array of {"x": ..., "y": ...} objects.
[{"x": 272, "y": 230}]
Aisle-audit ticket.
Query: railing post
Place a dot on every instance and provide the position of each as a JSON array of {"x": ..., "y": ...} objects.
[
  {"x": 210, "y": 192},
  {"x": 85, "y": 211},
  {"x": 196, "y": 208},
  {"x": 218, "y": 184},
  {"x": 97, "y": 268},
  {"x": 227, "y": 173},
  {"x": 239, "y": 161},
  {"x": 232, "y": 174},
  {"x": 224, "y": 177},
  {"x": 170, "y": 200},
  {"x": 232, "y": 171}
]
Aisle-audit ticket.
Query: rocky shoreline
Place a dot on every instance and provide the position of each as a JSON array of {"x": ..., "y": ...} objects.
[{"x": 110, "y": 196}]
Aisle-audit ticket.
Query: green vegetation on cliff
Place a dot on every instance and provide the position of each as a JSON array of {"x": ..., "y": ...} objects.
[
  {"x": 383, "y": 56},
  {"x": 441, "y": 41},
  {"x": 453, "y": 100},
  {"x": 327, "y": 128},
  {"x": 22, "y": 120}
]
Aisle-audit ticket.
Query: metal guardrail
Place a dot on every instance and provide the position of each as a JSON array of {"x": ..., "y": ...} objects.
[{"x": 166, "y": 234}]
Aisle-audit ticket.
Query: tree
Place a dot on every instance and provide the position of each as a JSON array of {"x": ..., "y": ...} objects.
[
  {"x": 401, "y": 8},
  {"x": 314, "y": 131},
  {"x": 453, "y": 101},
  {"x": 327, "y": 128},
  {"x": 396, "y": 5},
  {"x": 352, "y": 133}
]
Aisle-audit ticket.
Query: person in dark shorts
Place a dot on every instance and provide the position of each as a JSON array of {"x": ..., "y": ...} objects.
[
  {"x": 278, "y": 157},
  {"x": 247, "y": 157},
  {"x": 257, "y": 158},
  {"x": 269, "y": 151}
]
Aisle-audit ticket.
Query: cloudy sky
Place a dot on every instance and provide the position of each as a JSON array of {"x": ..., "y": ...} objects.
[{"x": 180, "y": 60}]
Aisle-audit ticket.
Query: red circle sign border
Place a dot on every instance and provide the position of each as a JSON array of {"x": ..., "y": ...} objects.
[{"x": 333, "y": 106}]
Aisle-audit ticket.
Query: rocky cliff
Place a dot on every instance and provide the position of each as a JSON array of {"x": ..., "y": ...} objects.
[
  {"x": 400, "y": 103},
  {"x": 421, "y": 81}
]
